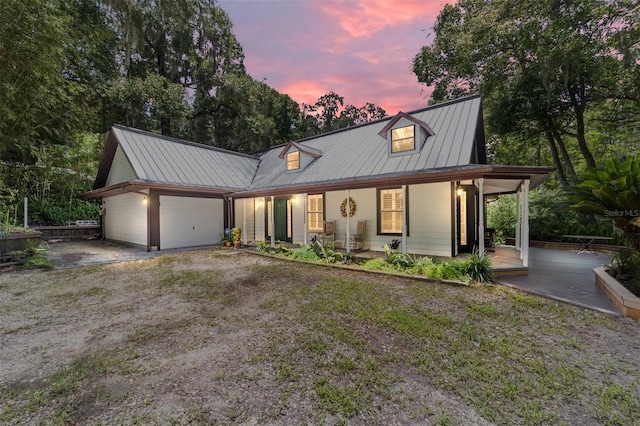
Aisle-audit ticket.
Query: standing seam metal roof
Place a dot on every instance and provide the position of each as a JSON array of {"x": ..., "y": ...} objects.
[{"x": 354, "y": 153}]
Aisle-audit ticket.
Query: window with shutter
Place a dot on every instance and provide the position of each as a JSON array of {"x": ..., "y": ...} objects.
[
  {"x": 391, "y": 213},
  {"x": 315, "y": 213}
]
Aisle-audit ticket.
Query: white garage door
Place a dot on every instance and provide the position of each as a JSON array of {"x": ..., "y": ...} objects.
[{"x": 190, "y": 222}]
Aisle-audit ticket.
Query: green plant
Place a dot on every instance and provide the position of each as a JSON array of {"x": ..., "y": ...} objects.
[
  {"x": 478, "y": 268},
  {"x": 235, "y": 234},
  {"x": 613, "y": 191},
  {"x": 262, "y": 245},
  {"x": 625, "y": 267}
]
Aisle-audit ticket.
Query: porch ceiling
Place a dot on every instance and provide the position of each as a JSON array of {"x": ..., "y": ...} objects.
[{"x": 501, "y": 186}]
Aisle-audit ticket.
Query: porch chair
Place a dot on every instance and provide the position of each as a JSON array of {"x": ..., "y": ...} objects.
[
  {"x": 357, "y": 240},
  {"x": 329, "y": 235}
]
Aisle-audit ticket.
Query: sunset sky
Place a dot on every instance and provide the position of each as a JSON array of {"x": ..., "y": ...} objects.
[{"x": 360, "y": 49}]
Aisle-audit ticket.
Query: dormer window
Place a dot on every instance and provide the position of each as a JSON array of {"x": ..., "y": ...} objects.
[
  {"x": 293, "y": 160},
  {"x": 405, "y": 135},
  {"x": 403, "y": 139}
]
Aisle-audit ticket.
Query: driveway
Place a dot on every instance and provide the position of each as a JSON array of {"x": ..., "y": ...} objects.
[{"x": 70, "y": 254}]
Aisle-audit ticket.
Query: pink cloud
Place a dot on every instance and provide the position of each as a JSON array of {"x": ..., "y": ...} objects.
[
  {"x": 362, "y": 18},
  {"x": 303, "y": 91}
]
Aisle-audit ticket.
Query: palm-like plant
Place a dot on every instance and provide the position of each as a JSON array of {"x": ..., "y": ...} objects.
[{"x": 613, "y": 191}]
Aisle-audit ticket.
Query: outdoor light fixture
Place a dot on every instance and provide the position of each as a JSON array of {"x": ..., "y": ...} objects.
[
  {"x": 459, "y": 190},
  {"x": 144, "y": 201}
]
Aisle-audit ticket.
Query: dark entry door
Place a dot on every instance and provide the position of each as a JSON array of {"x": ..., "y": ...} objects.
[
  {"x": 466, "y": 218},
  {"x": 280, "y": 217}
]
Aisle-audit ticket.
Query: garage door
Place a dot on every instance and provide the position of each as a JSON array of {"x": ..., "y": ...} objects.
[{"x": 190, "y": 222}]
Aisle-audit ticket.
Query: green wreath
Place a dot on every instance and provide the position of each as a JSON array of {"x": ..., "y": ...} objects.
[{"x": 352, "y": 207}]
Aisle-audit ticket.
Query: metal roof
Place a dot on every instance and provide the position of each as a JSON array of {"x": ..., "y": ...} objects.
[
  {"x": 357, "y": 155},
  {"x": 161, "y": 159},
  {"x": 359, "y": 152}
]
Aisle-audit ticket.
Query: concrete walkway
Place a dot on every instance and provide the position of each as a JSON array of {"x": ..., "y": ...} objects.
[{"x": 564, "y": 276}]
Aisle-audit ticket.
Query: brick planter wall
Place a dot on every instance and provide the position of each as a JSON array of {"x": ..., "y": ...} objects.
[
  {"x": 618, "y": 294},
  {"x": 15, "y": 242}
]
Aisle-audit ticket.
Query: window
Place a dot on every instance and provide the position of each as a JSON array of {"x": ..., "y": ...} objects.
[
  {"x": 403, "y": 139},
  {"x": 315, "y": 213},
  {"x": 293, "y": 160},
  {"x": 390, "y": 208},
  {"x": 269, "y": 218}
]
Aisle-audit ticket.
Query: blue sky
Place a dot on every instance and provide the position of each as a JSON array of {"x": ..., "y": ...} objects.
[{"x": 360, "y": 49}]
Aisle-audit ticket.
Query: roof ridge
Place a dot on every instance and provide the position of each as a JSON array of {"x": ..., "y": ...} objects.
[
  {"x": 183, "y": 141},
  {"x": 379, "y": 120}
]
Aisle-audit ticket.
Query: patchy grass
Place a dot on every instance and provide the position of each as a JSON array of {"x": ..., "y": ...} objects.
[{"x": 207, "y": 337}]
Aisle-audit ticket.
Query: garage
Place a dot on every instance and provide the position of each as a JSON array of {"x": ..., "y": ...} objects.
[{"x": 190, "y": 222}]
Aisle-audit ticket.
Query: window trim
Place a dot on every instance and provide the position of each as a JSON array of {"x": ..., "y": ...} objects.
[
  {"x": 322, "y": 211},
  {"x": 405, "y": 215},
  {"x": 290, "y": 162},
  {"x": 404, "y": 151}
]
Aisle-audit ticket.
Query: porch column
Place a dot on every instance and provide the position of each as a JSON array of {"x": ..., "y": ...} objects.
[
  {"x": 304, "y": 221},
  {"x": 273, "y": 223},
  {"x": 518, "y": 218},
  {"x": 525, "y": 225},
  {"x": 404, "y": 219},
  {"x": 244, "y": 221},
  {"x": 481, "y": 217},
  {"x": 347, "y": 241}
]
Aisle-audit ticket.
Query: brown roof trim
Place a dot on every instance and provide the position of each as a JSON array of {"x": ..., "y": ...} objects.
[
  {"x": 137, "y": 186},
  {"x": 398, "y": 116},
  {"x": 110, "y": 147},
  {"x": 536, "y": 174}
]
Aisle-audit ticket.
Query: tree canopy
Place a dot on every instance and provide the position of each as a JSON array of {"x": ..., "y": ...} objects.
[{"x": 547, "y": 69}]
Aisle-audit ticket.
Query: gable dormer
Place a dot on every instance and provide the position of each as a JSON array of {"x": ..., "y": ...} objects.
[
  {"x": 298, "y": 157},
  {"x": 405, "y": 134}
]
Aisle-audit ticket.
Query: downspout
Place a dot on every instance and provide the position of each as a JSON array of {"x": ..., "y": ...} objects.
[
  {"x": 481, "y": 217},
  {"x": 404, "y": 219}
]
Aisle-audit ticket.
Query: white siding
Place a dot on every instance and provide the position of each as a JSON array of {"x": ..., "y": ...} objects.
[
  {"x": 120, "y": 170},
  {"x": 297, "y": 202},
  {"x": 259, "y": 227},
  {"x": 365, "y": 200},
  {"x": 125, "y": 218},
  {"x": 190, "y": 222},
  {"x": 249, "y": 230},
  {"x": 430, "y": 219}
]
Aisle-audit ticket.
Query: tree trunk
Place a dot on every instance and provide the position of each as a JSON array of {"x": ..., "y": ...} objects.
[{"x": 578, "y": 108}]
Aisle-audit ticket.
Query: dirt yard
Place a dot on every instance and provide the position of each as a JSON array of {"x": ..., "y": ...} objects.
[{"x": 226, "y": 337}]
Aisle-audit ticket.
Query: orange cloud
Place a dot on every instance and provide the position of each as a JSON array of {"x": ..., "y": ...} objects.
[
  {"x": 361, "y": 18},
  {"x": 303, "y": 91}
]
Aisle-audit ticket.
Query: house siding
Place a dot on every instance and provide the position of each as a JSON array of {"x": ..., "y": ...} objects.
[
  {"x": 121, "y": 170},
  {"x": 430, "y": 219},
  {"x": 125, "y": 218},
  {"x": 248, "y": 230}
]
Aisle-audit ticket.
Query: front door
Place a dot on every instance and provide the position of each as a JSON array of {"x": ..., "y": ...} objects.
[{"x": 281, "y": 219}]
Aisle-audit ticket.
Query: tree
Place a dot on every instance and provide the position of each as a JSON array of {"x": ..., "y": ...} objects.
[
  {"x": 540, "y": 65},
  {"x": 32, "y": 87},
  {"x": 185, "y": 42}
]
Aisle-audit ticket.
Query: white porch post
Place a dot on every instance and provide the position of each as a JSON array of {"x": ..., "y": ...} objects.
[
  {"x": 347, "y": 241},
  {"x": 244, "y": 221},
  {"x": 273, "y": 223},
  {"x": 525, "y": 224},
  {"x": 518, "y": 219},
  {"x": 304, "y": 212},
  {"x": 481, "y": 216},
  {"x": 404, "y": 219}
]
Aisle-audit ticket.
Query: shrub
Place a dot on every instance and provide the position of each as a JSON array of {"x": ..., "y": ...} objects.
[
  {"x": 625, "y": 267},
  {"x": 477, "y": 267}
]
